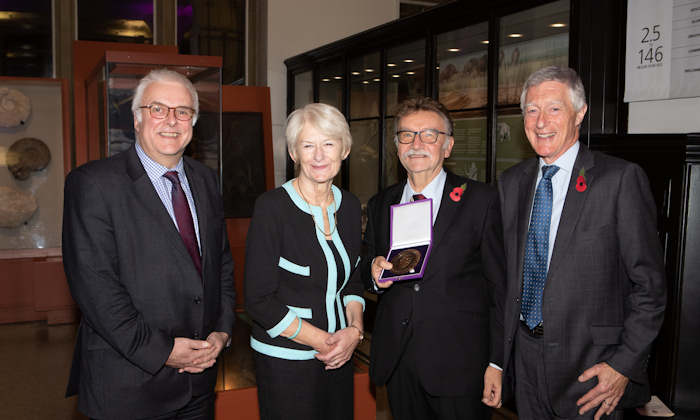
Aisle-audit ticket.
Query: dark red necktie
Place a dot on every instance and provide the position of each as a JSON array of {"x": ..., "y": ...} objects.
[
  {"x": 183, "y": 217},
  {"x": 417, "y": 197}
]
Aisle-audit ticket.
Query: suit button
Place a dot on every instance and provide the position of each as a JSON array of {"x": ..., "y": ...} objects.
[
  {"x": 197, "y": 300},
  {"x": 195, "y": 335},
  {"x": 404, "y": 322},
  {"x": 516, "y": 300},
  {"x": 416, "y": 287}
]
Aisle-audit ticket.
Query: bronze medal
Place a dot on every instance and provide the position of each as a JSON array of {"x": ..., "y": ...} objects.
[{"x": 405, "y": 261}]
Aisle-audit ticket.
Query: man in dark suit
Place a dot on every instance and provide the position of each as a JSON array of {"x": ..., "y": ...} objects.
[
  {"x": 147, "y": 259},
  {"x": 586, "y": 289},
  {"x": 437, "y": 342}
]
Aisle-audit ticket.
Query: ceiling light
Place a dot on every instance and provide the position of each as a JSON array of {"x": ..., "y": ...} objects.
[
  {"x": 391, "y": 64},
  {"x": 369, "y": 70},
  {"x": 365, "y": 82},
  {"x": 437, "y": 67},
  {"x": 376, "y": 80},
  {"x": 410, "y": 73},
  {"x": 515, "y": 35},
  {"x": 355, "y": 73},
  {"x": 326, "y": 80},
  {"x": 408, "y": 60},
  {"x": 453, "y": 50},
  {"x": 395, "y": 76},
  {"x": 486, "y": 41},
  {"x": 558, "y": 25},
  {"x": 337, "y": 77}
]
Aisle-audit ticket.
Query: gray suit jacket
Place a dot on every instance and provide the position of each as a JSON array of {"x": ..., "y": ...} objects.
[
  {"x": 137, "y": 287},
  {"x": 605, "y": 293}
]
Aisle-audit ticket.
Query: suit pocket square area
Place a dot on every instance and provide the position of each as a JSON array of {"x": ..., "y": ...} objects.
[{"x": 606, "y": 334}]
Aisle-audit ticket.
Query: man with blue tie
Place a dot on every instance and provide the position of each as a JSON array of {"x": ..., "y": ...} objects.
[
  {"x": 586, "y": 289},
  {"x": 147, "y": 258}
]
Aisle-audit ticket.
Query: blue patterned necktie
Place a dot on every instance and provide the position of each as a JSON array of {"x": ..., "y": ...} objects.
[{"x": 537, "y": 249}]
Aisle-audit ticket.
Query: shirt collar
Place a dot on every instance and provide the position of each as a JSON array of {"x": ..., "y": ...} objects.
[
  {"x": 565, "y": 161},
  {"x": 154, "y": 169},
  {"x": 433, "y": 189}
]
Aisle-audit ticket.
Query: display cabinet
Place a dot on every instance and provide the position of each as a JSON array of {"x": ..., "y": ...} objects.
[{"x": 110, "y": 91}]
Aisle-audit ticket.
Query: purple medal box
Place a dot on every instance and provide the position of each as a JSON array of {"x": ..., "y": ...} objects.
[{"x": 410, "y": 238}]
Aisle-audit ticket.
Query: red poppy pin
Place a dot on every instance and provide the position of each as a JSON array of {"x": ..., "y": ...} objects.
[
  {"x": 457, "y": 192},
  {"x": 581, "y": 181}
]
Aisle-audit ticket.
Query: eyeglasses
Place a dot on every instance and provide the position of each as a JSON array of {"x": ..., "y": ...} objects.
[
  {"x": 428, "y": 136},
  {"x": 160, "y": 111}
]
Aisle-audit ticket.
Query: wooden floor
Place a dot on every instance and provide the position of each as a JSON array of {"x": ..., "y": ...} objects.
[{"x": 35, "y": 361}]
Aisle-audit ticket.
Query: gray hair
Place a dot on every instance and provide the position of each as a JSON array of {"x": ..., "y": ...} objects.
[
  {"x": 163, "y": 75},
  {"x": 563, "y": 75},
  {"x": 409, "y": 106},
  {"x": 325, "y": 118}
]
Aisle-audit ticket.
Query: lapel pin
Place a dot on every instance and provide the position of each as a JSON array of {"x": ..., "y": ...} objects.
[
  {"x": 457, "y": 192},
  {"x": 581, "y": 181}
]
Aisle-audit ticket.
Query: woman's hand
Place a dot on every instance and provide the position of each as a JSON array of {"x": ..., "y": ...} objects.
[{"x": 342, "y": 344}]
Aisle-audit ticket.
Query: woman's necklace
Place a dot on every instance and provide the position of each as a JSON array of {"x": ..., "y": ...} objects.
[{"x": 335, "y": 214}]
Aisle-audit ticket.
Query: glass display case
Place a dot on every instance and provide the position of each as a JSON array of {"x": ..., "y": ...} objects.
[
  {"x": 112, "y": 86},
  {"x": 34, "y": 156}
]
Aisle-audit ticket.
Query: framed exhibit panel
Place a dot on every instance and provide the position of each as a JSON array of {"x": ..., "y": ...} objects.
[{"x": 34, "y": 156}]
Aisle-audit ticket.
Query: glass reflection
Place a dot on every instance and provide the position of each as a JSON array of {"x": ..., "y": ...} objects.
[
  {"x": 512, "y": 145},
  {"x": 365, "y": 80},
  {"x": 122, "y": 21},
  {"x": 364, "y": 159},
  {"x": 303, "y": 89},
  {"x": 530, "y": 40},
  {"x": 330, "y": 89},
  {"x": 25, "y": 31},
  {"x": 468, "y": 156},
  {"x": 462, "y": 58},
  {"x": 393, "y": 170},
  {"x": 405, "y": 73}
]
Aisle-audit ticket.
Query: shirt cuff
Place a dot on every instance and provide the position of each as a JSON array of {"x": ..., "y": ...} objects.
[{"x": 495, "y": 366}]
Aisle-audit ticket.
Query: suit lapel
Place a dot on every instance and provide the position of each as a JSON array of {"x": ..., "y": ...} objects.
[
  {"x": 526, "y": 193},
  {"x": 149, "y": 199},
  {"x": 448, "y": 208},
  {"x": 573, "y": 207}
]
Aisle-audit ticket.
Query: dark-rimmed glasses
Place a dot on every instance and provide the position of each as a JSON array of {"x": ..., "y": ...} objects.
[
  {"x": 160, "y": 111},
  {"x": 428, "y": 136}
]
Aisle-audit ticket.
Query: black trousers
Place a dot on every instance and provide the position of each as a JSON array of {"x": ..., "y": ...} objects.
[
  {"x": 199, "y": 408},
  {"x": 531, "y": 385},
  {"x": 303, "y": 389},
  {"x": 408, "y": 399}
]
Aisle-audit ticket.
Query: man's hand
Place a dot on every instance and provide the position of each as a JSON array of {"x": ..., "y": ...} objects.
[
  {"x": 611, "y": 386},
  {"x": 341, "y": 345},
  {"x": 493, "y": 380},
  {"x": 185, "y": 351},
  {"x": 378, "y": 264}
]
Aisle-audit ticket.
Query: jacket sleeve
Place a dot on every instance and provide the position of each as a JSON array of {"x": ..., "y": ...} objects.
[
  {"x": 261, "y": 273},
  {"x": 90, "y": 260},
  {"x": 641, "y": 256}
]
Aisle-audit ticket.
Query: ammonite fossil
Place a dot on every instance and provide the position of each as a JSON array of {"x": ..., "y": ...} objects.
[
  {"x": 16, "y": 207},
  {"x": 405, "y": 261},
  {"x": 14, "y": 107},
  {"x": 26, "y": 155}
]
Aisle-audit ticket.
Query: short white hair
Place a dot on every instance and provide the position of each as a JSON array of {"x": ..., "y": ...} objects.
[
  {"x": 564, "y": 75},
  {"x": 163, "y": 75},
  {"x": 325, "y": 118}
]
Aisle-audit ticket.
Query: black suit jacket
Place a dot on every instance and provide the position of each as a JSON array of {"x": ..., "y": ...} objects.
[
  {"x": 453, "y": 316},
  {"x": 137, "y": 287},
  {"x": 605, "y": 292}
]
